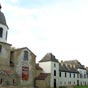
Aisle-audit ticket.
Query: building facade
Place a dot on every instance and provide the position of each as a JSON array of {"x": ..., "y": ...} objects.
[
  {"x": 72, "y": 72},
  {"x": 17, "y": 66}
]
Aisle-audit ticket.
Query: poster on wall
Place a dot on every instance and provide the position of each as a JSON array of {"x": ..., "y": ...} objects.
[{"x": 25, "y": 73}]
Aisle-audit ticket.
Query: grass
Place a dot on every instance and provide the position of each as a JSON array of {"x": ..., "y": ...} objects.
[{"x": 81, "y": 87}]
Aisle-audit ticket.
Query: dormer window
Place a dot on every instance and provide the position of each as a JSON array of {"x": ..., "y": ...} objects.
[
  {"x": 25, "y": 55},
  {"x": 1, "y": 32}
]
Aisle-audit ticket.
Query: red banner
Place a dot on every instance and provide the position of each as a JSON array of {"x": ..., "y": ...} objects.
[{"x": 25, "y": 73}]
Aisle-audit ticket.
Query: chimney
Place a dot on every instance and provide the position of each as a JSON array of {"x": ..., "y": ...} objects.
[
  {"x": 70, "y": 65},
  {"x": 62, "y": 63},
  {"x": 74, "y": 66}
]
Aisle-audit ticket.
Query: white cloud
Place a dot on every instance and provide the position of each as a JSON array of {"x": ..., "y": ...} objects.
[{"x": 60, "y": 29}]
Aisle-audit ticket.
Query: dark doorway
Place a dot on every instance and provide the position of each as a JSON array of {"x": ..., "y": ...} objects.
[
  {"x": 54, "y": 83},
  {"x": 77, "y": 82}
]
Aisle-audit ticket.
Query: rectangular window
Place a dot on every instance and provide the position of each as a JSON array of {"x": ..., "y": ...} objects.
[
  {"x": 77, "y": 75},
  {"x": 80, "y": 75},
  {"x": 54, "y": 65},
  {"x": 70, "y": 75},
  {"x": 84, "y": 75},
  {"x": 14, "y": 81},
  {"x": 59, "y": 74},
  {"x": 74, "y": 75},
  {"x": 54, "y": 72},
  {"x": 0, "y": 80},
  {"x": 1, "y": 32},
  {"x": 65, "y": 74},
  {"x": 69, "y": 82},
  {"x": 0, "y": 48},
  {"x": 60, "y": 83},
  {"x": 25, "y": 73}
]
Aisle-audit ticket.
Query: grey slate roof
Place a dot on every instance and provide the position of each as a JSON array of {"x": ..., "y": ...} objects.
[
  {"x": 65, "y": 66},
  {"x": 49, "y": 57},
  {"x": 2, "y": 19},
  {"x": 76, "y": 63}
]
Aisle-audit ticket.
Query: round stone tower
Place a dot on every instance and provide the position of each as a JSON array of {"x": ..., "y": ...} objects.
[{"x": 4, "y": 46}]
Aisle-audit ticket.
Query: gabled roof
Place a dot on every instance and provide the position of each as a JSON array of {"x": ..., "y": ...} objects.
[
  {"x": 49, "y": 57},
  {"x": 42, "y": 76},
  {"x": 18, "y": 49}
]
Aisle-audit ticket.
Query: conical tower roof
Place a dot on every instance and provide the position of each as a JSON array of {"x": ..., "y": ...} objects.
[{"x": 2, "y": 18}]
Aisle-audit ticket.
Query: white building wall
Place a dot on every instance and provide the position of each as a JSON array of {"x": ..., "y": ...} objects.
[
  {"x": 46, "y": 66},
  {"x": 49, "y": 67},
  {"x": 64, "y": 81},
  {"x": 5, "y": 29},
  {"x": 83, "y": 80},
  {"x": 53, "y": 67}
]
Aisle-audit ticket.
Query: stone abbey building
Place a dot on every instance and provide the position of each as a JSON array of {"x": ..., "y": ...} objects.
[{"x": 18, "y": 67}]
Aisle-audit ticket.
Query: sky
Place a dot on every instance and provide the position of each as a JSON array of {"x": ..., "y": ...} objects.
[{"x": 59, "y": 27}]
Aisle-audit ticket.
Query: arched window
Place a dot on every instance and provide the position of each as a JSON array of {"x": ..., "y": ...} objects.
[
  {"x": 25, "y": 55},
  {"x": 1, "y": 32}
]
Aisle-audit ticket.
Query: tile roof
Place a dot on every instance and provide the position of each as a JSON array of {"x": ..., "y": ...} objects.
[
  {"x": 42, "y": 76},
  {"x": 49, "y": 57}
]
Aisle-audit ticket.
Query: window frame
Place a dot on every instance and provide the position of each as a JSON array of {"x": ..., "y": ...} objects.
[
  {"x": 0, "y": 48},
  {"x": 26, "y": 55},
  {"x": 60, "y": 74},
  {"x": 1, "y": 32},
  {"x": 54, "y": 72},
  {"x": 70, "y": 74},
  {"x": 65, "y": 74},
  {"x": 74, "y": 75}
]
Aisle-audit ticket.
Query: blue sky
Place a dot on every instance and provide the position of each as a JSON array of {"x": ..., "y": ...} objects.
[{"x": 57, "y": 26}]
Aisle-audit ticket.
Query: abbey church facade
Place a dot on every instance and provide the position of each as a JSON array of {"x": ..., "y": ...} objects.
[{"x": 18, "y": 67}]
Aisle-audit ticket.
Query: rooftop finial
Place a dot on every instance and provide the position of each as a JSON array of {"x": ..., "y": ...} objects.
[{"x": 0, "y": 6}]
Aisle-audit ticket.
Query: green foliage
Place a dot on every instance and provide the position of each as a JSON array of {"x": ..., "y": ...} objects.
[{"x": 81, "y": 86}]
